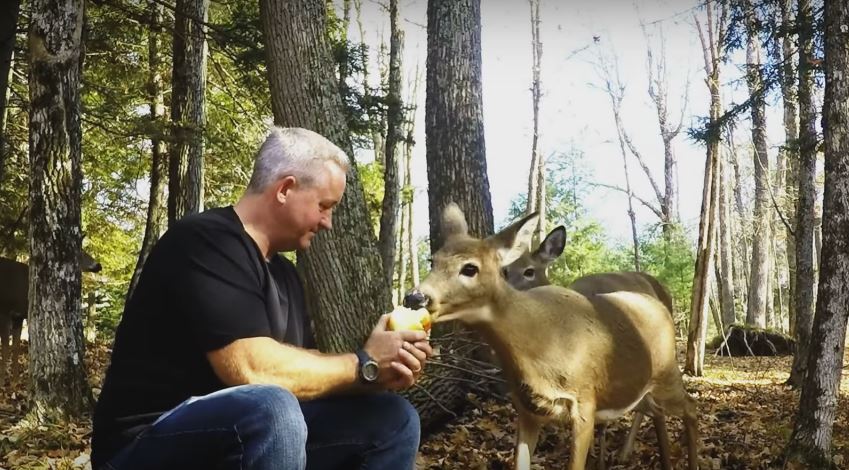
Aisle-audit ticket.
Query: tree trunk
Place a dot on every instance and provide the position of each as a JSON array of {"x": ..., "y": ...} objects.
[
  {"x": 346, "y": 288},
  {"x": 759, "y": 281},
  {"x": 697, "y": 329},
  {"x": 741, "y": 244},
  {"x": 394, "y": 136},
  {"x": 8, "y": 34},
  {"x": 536, "y": 173},
  {"x": 807, "y": 196},
  {"x": 726, "y": 271},
  {"x": 58, "y": 384},
  {"x": 456, "y": 152},
  {"x": 188, "y": 109},
  {"x": 810, "y": 442},
  {"x": 154, "y": 224}
]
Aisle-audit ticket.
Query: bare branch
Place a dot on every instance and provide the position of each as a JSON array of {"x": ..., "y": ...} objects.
[{"x": 642, "y": 201}]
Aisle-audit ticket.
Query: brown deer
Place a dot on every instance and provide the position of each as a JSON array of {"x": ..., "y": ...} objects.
[
  {"x": 566, "y": 356},
  {"x": 530, "y": 270},
  {"x": 14, "y": 294}
]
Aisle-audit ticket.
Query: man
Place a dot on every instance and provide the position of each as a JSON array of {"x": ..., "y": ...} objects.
[{"x": 212, "y": 367}]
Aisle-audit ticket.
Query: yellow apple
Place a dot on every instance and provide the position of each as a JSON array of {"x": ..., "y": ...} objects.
[{"x": 405, "y": 319}]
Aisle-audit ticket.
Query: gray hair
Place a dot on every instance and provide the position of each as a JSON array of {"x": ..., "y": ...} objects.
[{"x": 296, "y": 152}]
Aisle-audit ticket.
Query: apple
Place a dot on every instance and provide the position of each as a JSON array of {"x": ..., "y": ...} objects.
[{"x": 405, "y": 319}]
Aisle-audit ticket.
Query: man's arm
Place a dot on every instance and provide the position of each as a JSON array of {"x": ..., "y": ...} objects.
[{"x": 307, "y": 374}]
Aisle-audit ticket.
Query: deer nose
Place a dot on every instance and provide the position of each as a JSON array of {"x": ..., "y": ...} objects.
[{"x": 415, "y": 299}]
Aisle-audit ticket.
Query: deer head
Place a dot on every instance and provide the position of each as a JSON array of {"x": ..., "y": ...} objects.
[
  {"x": 530, "y": 269},
  {"x": 467, "y": 271}
]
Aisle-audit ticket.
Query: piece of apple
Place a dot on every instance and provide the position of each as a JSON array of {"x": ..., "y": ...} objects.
[{"x": 405, "y": 319}]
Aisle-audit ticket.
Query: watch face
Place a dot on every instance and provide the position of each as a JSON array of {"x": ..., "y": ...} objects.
[{"x": 370, "y": 370}]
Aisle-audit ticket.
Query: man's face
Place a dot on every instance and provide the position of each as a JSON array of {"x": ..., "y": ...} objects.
[{"x": 309, "y": 208}]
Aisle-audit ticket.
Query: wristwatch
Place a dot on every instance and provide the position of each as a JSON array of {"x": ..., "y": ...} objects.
[{"x": 367, "y": 368}]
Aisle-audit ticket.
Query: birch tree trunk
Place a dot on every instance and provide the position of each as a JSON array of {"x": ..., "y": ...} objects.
[
  {"x": 810, "y": 442},
  {"x": 156, "y": 210},
  {"x": 58, "y": 384},
  {"x": 807, "y": 197},
  {"x": 188, "y": 109},
  {"x": 759, "y": 281},
  {"x": 346, "y": 287},
  {"x": 394, "y": 136}
]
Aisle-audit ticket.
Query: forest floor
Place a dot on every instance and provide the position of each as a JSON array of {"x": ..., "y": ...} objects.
[{"x": 745, "y": 414}]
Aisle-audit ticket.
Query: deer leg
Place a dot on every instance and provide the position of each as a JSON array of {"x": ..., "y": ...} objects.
[
  {"x": 527, "y": 433},
  {"x": 625, "y": 453},
  {"x": 602, "y": 447},
  {"x": 17, "y": 325},
  {"x": 583, "y": 424},
  {"x": 691, "y": 428},
  {"x": 662, "y": 440},
  {"x": 5, "y": 331}
]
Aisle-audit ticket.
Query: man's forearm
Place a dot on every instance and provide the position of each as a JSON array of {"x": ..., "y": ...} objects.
[{"x": 307, "y": 374}]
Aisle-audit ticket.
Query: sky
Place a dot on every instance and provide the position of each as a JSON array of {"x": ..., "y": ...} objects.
[{"x": 574, "y": 112}]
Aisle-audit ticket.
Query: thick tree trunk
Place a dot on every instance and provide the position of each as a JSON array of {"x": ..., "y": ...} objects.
[
  {"x": 456, "y": 151},
  {"x": 807, "y": 197},
  {"x": 346, "y": 288},
  {"x": 741, "y": 243},
  {"x": 394, "y": 136},
  {"x": 791, "y": 151},
  {"x": 810, "y": 442},
  {"x": 188, "y": 109},
  {"x": 154, "y": 224},
  {"x": 726, "y": 257},
  {"x": 8, "y": 29},
  {"x": 58, "y": 384},
  {"x": 759, "y": 281}
]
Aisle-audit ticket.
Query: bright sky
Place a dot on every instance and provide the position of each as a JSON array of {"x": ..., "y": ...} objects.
[{"x": 574, "y": 112}]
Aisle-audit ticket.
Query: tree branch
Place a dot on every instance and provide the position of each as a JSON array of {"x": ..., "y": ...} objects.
[{"x": 638, "y": 198}]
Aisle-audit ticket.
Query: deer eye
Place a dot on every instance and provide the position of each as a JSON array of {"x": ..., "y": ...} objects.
[
  {"x": 469, "y": 270},
  {"x": 529, "y": 273}
]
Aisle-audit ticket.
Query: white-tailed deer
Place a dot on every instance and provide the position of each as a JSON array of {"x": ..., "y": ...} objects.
[
  {"x": 14, "y": 293},
  {"x": 566, "y": 356},
  {"x": 530, "y": 270}
]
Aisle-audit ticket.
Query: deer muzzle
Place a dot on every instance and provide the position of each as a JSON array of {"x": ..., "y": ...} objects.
[{"x": 415, "y": 299}]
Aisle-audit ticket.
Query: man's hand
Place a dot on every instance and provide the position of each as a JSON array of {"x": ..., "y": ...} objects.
[{"x": 401, "y": 355}]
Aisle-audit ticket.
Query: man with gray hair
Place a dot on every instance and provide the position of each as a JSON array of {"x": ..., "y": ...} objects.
[{"x": 214, "y": 366}]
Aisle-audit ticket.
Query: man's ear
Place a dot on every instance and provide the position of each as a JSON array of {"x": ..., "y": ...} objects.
[
  {"x": 515, "y": 240},
  {"x": 283, "y": 186}
]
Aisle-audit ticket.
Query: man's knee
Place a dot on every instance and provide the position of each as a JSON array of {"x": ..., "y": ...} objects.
[
  {"x": 275, "y": 409},
  {"x": 399, "y": 415}
]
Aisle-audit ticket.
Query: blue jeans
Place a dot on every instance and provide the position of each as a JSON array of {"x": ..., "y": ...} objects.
[{"x": 264, "y": 427}]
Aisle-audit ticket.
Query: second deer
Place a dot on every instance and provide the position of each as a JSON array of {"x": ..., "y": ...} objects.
[{"x": 566, "y": 356}]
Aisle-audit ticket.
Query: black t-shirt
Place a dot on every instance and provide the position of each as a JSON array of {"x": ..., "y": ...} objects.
[{"x": 204, "y": 285}]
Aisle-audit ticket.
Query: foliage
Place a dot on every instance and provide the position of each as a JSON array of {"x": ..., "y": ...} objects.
[{"x": 670, "y": 260}]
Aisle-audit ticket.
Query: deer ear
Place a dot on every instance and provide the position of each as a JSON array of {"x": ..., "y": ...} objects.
[
  {"x": 453, "y": 222},
  {"x": 552, "y": 246},
  {"x": 515, "y": 240}
]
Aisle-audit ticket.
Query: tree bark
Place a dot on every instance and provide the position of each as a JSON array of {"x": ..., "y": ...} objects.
[
  {"x": 58, "y": 384},
  {"x": 704, "y": 253},
  {"x": 810, "y": 442},
  {"x": 456, "y": 151},
  {"x": 791, "y": 151},
  {"x": 154, "y": 224},
  {"x": 536, "y": 173},
  {"x": 8, "y": 34},
  {"x": 394, "y": 136},
  {"x": 346, "y": 288},
  {"x": 807, "y": 196},
  {"x": 726, "y": 257},
  {"x": 759, "y": 281},
  {"x": 188, "y": 109}
]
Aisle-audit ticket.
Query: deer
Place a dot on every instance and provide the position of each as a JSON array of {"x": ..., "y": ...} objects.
[
  {"x": 530, "y": 270},
  {"x": 14, "y": 295},
  {"x": 566, "y": 357}
]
